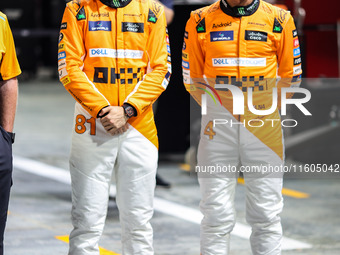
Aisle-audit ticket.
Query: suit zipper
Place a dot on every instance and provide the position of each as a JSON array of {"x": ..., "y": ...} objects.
[
  {"x": 116, "y": 58},
  {"x": 238, "y": 55}
]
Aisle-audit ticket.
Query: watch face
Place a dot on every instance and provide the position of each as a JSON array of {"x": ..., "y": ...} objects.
[{"x": 129, "y": 111}]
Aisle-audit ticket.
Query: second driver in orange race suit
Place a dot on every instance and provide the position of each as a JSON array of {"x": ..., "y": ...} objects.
[
  {"x": 114, "y": 59},
  {"x": 253, "y": 46}
]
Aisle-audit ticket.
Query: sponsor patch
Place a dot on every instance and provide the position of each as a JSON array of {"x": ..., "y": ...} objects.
[
  {"x": 252, "y": 6},
  {"x": 169, "y": 68},
  {"x": 241, "y": 11},
  {"x": 113, "y": 53},
  {"x": 165, "y": 83},
  {"x": 186, "y": 35},
  {"x": 61, "y": 55},
  {"x": 221, "y": 36},
  {"x": 61, "y": 46},
  {"x": 185, "y": 56},
  {"x": 222, "y": 24},
  {"x": 132, "y": 27},
  {"x": 185, "y": 64},
  {"x": 132, "y": 15},
  {"x": 297, "y": 52},
  {"x": 152, "y": 17},
  {"x": 62, "y": 73},
  {"x": 63, "y": 26},
  {"x": 200, "y": 28},
  {"x": 168, "y": 49},
  {"x": 167, "y": 39},
  {"x": 297, "y": 61},
  {"x": 66, "y": 80},
  {"x": 277, "y": 28},
  {"x": 100, "y": 15},
  {"x": 256, "y": 36},
  {"x": 169, "y": 59},
  {"x": 297, "y": 69},
  {"x": 186, "y": 72},
  {"x": 99, "y": 25},
  {"x": 186, "y": 76},
  {"x": 61, "y": 64},
  {"x": 184, "y": 45},
  {"x": 295, "y": 33},
  {"x": 296, "y": 42},
  {"x": 168, "y": 74},
  {"x": 257, "y": 24},
  {"x": 81, "y": 14},
  {"x": 239, "y": 62},
  {"x": 61, "y": 37}
]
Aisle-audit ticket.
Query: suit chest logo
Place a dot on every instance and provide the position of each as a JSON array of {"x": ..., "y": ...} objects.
[
  {"x": 132, "y": 27},
  {"x": 221, "y": 36},
  {"x": 99, "y": 25},
  {"x": 222, "y": 24},
  {"x": 256, "y": 36}
]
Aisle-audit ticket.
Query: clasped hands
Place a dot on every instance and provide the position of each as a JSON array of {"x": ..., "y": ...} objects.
[{"x": 114, "y": 120}]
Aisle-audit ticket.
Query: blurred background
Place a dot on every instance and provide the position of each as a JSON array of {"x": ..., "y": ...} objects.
[{"x": 44, "y": 124}]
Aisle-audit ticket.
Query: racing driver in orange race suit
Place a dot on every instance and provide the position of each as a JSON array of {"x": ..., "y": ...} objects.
[
  {"x": 253, "y": 46},
  {"x": 114, "y": 59}
]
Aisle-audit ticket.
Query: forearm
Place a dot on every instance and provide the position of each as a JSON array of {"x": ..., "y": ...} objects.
[{"x": 8, "y": 103}]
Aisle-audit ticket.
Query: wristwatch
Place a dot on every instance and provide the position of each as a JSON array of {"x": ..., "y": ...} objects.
[{"x": 129, "y": 110}]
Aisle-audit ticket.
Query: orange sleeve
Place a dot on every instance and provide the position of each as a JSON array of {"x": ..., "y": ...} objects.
[
  {"x": 71, "y": 52},
  {"x": 192, "y": 60},
  {"x": 155, "y": 81},
  {"x": 289, "y": 56},
  {"x": 9, "y": 67}
]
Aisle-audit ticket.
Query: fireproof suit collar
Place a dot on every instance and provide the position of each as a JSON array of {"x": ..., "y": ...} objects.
[
  {"x": 116, "y": 3},
  {"x": 239, "y": 11}
]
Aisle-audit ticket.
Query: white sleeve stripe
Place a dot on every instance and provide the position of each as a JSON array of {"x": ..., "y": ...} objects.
[
  {"x": 133, "y": 91},
  {"x": 95, "y": 89},
  {"x": 82, "y": 59}
]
